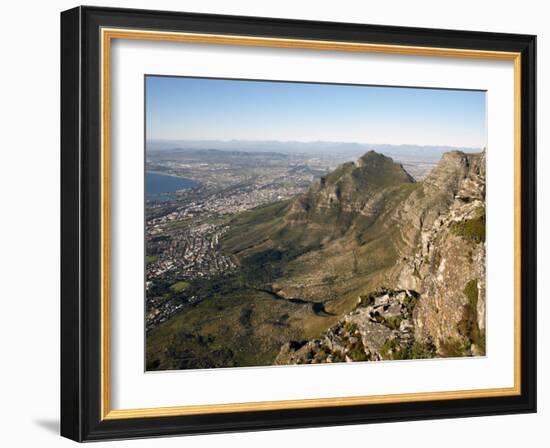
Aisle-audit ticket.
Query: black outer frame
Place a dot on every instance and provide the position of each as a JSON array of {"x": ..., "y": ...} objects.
[{"x": 80, "y": 223}]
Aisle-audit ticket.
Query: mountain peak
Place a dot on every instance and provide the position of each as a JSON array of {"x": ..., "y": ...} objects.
[
  {"x": 342, "y": 195},
  {"x": 372, "y": 170},
  {"x": 458, "y": 162},
  {"x": 373, "y": 157}
]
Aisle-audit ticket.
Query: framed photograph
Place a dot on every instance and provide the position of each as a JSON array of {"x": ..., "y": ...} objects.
[{"x": 273, "y": 223}]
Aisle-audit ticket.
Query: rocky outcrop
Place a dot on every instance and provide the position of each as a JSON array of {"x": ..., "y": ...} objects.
[
  {"x": 380, "y": 328},
  {"x": 447, "y": 266}
]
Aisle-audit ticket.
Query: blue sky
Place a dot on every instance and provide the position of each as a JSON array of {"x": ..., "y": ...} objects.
[{"x": 210, "y": 109}]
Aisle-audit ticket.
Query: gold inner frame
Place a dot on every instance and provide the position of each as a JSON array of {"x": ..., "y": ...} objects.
[{"x": 107, "y": 35}]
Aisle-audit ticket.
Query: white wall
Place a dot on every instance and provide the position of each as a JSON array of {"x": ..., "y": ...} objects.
[{"x": 29, "y": 245}]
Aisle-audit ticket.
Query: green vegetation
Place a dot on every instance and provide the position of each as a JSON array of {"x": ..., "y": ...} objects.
[
  {"x": 159, "y": 288},
  {"x": 393, "y": 349},
  {"x": 321, "y": 356},
  {"x": 350, "y": 327},
  {"x": 422, "y": 350},
  {"x": 185, "y": 358},
  {"x": 393, "y": 322},
  {"x": 472, "y": 229},
  {"x": 179, "y": 224},
  {"x": 226, "y": 327},
  {"x": 251, "y": 228},
  {"x": 410, "y": 302},
  {"x": 329, "y": 280},
  {"x": 179, "y": 286},
  {"x": 245, "y": 318},
  {"x": 468, "y": 326},
  {"x": 367, "y": 300},
  {"x": 471, "y": 293},
  {"x": 358, "y": 354},
  {"x": 454, "y": 348},
  {"x": 260, "y": 269},
  {"x": 149, "y": 259}
]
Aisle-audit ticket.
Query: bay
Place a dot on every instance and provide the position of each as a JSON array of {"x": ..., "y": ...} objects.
[{"x": 158, "y": 184}]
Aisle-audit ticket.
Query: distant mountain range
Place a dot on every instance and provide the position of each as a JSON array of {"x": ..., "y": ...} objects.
[
  {"x": 210, "y": 154},
  {"x": 353, "y": 150}
]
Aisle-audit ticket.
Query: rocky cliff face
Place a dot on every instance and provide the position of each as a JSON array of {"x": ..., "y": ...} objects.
[
  {"x": 431, "y": 301},
  {"x": 448, "y": 266}
]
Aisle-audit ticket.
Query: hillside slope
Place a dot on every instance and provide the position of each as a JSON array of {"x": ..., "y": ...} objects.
[
  {"x": 432, "y": 302},
  {"x": 366, "y": 265}
]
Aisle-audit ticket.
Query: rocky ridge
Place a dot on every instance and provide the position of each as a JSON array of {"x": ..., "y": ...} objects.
[
  {"x": 448, "y": 266},
  {"x": 441, "y": 265},
  {"x": 380, "y": 328}
]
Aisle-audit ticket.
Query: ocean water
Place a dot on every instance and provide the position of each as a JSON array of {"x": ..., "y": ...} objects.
[{"x": 159, "y": 186}]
